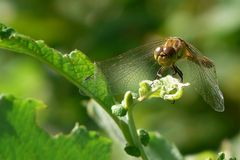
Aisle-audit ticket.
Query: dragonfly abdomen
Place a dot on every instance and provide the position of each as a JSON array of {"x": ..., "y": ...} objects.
[{"x": 202, "y": 61}]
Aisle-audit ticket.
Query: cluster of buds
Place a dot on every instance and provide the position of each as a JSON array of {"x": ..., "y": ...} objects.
[{"x": 167, "y": 88}]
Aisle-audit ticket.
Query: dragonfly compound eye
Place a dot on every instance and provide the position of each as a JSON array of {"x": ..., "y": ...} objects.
[
  {"x": 157, "y": 52},
  {"x": 169, "y": 51}
]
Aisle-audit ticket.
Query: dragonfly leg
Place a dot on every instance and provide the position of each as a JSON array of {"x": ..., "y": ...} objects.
[
  {"x": 159, "y": 73},
  {"x": 178, "y": 71}
]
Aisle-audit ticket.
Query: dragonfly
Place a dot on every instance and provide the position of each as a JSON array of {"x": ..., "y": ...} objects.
[{"x": 151, "y": 61}]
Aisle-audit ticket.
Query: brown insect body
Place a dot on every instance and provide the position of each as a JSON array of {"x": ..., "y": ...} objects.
[
  {"x": 171, "y": 51},
  {"x": 174, "y": 49}
]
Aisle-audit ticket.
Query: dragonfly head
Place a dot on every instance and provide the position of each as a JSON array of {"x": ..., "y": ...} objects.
[
  {"x": 169, "y": 52},
  {"x": 165, "y": 55}
]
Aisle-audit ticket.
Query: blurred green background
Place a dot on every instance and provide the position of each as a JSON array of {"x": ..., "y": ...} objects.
[{"x": 104, "y": 28}]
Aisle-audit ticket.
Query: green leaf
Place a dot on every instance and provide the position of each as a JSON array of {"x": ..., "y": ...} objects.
[
  {"x": 205, "y": 155},
  {"x": 75, "y": 66},
  {"x": 21, "y": 138},
  {"x": 106, "y": 123},
  {"x": 161, "y": 149}
]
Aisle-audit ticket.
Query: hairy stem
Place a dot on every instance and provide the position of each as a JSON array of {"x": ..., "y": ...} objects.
[{"x": 134, "y": 134}]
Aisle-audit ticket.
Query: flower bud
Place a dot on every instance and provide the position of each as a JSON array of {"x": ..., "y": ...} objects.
[
  {"x": 132, "y": 150},
  {"x": 128, "y": 100},
  {"x": 144, "y": 88},
  {"x": 143, "y": 136},
  {"x": 119, "y": 110}
]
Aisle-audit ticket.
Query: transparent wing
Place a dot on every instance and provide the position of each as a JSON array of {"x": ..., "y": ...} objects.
[
  {"x": 125, "y": 71},
  {"x": 204, "y": 79}
]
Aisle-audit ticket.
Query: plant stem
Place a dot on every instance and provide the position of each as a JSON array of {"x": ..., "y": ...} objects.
[{"x": 134, "y": 134}]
